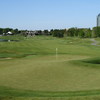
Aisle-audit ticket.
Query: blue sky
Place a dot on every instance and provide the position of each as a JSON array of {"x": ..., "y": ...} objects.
[{"x": 48, "y": 14}]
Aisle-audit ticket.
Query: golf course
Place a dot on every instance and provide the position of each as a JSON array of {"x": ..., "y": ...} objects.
[{"x": 49, "y": 68}]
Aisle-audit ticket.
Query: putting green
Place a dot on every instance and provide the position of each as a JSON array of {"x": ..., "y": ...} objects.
[{"x": 46, "y": 73}]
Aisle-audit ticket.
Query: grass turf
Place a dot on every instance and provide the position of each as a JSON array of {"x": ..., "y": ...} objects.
[{"x": 29, "y": 68}]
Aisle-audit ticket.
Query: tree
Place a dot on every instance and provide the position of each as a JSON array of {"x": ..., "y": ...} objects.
[
  {"x": 51, "y": 32},
  {"x": 88, "y": 33},
  {"x": 1, "y": 30},
  {"x": 81, "y": 33},
  {"x": 39, "y": 32},
  {"x": 46, "y": 32},
  {"x": 58, "y": 33},
  {"x": 15, "y": 31},
  {"x": 72, "y": 32},
  {"x": 96, "y": 31}
]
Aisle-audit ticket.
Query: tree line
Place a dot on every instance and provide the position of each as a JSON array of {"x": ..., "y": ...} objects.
[
  {"x": 77, "y": 32},
  {"x": 71, "y": 32},
  {"x": 5, "y": 30}
]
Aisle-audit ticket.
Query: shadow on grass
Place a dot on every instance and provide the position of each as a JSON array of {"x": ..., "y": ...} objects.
[
  {"x": 93, "y": 61},
  {"x": 9, "y": 92},
  {"x": 89, "y": 62}
]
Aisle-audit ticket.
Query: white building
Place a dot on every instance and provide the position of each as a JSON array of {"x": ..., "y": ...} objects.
[{"x": 9, "y": 33}]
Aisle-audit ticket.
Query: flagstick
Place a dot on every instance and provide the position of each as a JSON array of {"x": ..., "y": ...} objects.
[{"x": 56, "y": 53}]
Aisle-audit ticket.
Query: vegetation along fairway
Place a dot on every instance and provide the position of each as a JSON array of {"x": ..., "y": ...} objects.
[{"x": 31, "y": 70}]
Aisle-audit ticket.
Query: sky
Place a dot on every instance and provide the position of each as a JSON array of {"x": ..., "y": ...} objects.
[{"x": 48, "y": 14}]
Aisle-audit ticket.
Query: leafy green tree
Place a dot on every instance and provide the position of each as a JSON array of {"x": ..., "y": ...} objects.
[
  {"x": 39, "y": 32},
  {"x": 72, "y": 32},
  {"x": 58, "y": 33},
  {"x": 15, "y": 31},
  {"x": 51, "y": 32},
  {"x": 1, "y": 30},
  {"x": 88, "y": 33},
  {"x": 46, "y": 32},
  {"x": 96, "y": 31},
  {"x": 81, "y": 33}
]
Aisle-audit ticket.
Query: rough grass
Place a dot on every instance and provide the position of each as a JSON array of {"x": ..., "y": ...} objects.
[{"x": 30, "y": 70}]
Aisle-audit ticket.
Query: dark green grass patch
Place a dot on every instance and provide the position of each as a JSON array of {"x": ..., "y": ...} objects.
[
  {"x": 93, "y": 61},
  {"x": 9, "y": 92},
  {"x": 89, "y": 62}
]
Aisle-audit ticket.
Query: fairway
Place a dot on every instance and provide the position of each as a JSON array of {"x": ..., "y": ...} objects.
[{"x": 29, "y": 68}]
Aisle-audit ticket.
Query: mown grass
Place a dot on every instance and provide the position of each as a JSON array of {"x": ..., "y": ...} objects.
[
  {"x": 41, "y": 45},
  {"x": 30, "y": 70},
  {"x": 27, "y": 93}
]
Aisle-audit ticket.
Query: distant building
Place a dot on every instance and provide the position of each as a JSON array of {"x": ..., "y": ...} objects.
[
  {"x": 8, "y": 33},
  {"x": 98, "y": 20},
  {"x": 28, "y": 33}
]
